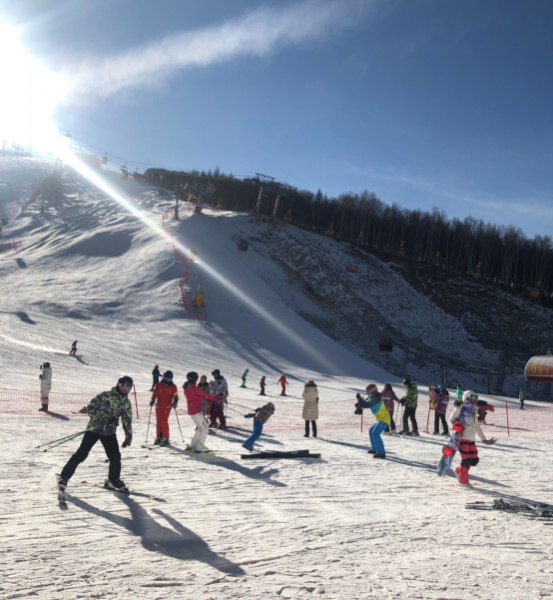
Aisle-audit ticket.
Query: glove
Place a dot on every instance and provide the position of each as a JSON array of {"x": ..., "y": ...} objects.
[
  {"x": 358, "y": 410},
  {"x": 358, "y": 396},
  {"x": 126, "y": 443},
  {"x": 490, "y": 442},
  {"x": 175, "y": 403},
  {"x": 152, "y": 401},
  {"x": 249, "y": 416}
]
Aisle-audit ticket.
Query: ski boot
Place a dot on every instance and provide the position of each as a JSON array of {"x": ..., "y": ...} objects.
[
  {"x": 248, "y": 447},
  {"x": 157, "y": 441},
  {"x": 371, "y": 451},
  {"x": 375, "y": 455},
  {"x": 163, "y": 442},
  {"x": 117, "y": 485},
  {"x": 62, "y": 493}
]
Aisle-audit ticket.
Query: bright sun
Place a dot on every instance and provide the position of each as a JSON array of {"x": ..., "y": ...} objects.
[{"x": 30, "y": 92}]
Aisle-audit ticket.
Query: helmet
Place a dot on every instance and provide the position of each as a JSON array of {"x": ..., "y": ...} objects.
[
  {"x": 473, "y": 397},
  {"x": 125, "y": 384},
  {"x": 216, "y": 373},
  {"x": 192, "y": 377},
  {"x": 46, "y": 365},
  {"x": 388, "y": 386},
  {"x": 441, "y": 387},
  {"x": 168, "y": 375},
  {"x": 156, "y": 367},
  {"x": 457, "y": 426},
  {"x": 309, "y": 382},
  {"x": 371, "y": 388},
  {"x": 272, "y": 406},
  {"x": 406, "y": 382}
]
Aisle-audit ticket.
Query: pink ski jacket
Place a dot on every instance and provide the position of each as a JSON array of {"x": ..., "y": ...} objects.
[{"x": 194, "y": 398}]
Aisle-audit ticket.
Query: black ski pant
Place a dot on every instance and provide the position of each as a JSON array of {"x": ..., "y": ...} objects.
[
  {"x": 409, "y": 413},
  {"x": 437, "y": 419},
  {"x": 262, "y": 392},
  {"x": 111, "y": 446},
  {"x": 313, "y": 425}
]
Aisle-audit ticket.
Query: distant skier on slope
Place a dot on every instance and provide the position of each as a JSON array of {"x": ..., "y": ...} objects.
[
  {"x": 194, "y": 397},
  {"x": 156, "y": 374},
  {"x": 260, "y": 417},
  {"x": 389, "y": 397},
  {"x": 167, "y": 397},
  {"x": 283, "y": 383},
  {"x": 410, "y": 402},
  {"x": 439, "y": 399},
  {"x": 460, "y": 392},
  {"x": 262, "y": 386},
  {"x": 104, "y": 411},
  {"x": 219, "y": 389},
  {"x": 310, "y": 410},
  {"x": 73, "y": 350},
  {"x": 244, "y": 375},
  {"x": 45, "y": 385},
  {"x": 521, "y": 397},
  {"x": 469, "y": 453},
  {"x": 381, "y": 414}
]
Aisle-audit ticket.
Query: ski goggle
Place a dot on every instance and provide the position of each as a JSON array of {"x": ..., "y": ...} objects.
[{"x": 168, "y": 379}]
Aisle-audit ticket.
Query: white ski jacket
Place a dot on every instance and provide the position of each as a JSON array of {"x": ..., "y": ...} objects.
[
  {"x": 46, "y": 380},
  {"x": 471, "y": 428}
]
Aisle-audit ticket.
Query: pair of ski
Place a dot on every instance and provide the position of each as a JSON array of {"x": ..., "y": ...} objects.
[
  {"x": 528, "y": 508},
  {"x": 62, "y": 496}
]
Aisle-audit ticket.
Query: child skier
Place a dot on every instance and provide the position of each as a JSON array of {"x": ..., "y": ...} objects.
[
  {"x": 469, "y": 453},
  {"x": 219, "y": 389},
  {"x": 166, "y": 394},
  {"x": 283, "y": 383},
  {"x": 45, "y": 385},
  {"x": 73, "y": 350},
  {"x": 262, "y": 386},
  {"x": 410, "y": 403},
  {"x": 389, "y": 397},
  {"x": 194, "y": 397},
  {"x": 104, "y": 411},
  {"x": 244, "y": 375},
  {"x": 156, "y": 374},
  {"x": 439, "y": 401},
  {"x": 260, "y": 417},
  {"x": 381, "y": 414}
]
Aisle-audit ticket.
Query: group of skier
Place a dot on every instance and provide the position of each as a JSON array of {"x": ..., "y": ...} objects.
[{"x": 382, "y": 406}]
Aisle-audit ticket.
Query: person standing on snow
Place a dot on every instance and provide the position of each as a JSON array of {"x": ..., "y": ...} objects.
[
  {"x": 156, "y": 374},
  {"x": 389, "y": 397},
  {"x": 194, "y": 398},
  {"x": 219, "y": 389},
  {"x": 244, "y": 375},
  {"x": 45, "y": 385},
  {"x": 73, "y": 350},
  {"x": 410, "y": 402},
  {"x": 521, "y": 398},
  {"x": 440, "y": 399},
  {"x": 260, "y": 417},
  {"x": 262, "y": 386},
  {"x": 310, "y": 411},
  {"x": 381, "y": 414},
  {"x": 204, "y": 386},
  {"x": 469, "y": 453},
  {"x": 166, "y": 394},
  {"x": 283, "y": 383},
  {"x": 104, "y": 411}
]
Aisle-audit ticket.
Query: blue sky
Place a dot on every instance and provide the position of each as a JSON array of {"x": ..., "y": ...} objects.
[{"x": 424, "y": 102}]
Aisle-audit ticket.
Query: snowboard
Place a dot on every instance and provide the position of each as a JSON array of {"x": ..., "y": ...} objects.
[{"x": 454, "y": 443}]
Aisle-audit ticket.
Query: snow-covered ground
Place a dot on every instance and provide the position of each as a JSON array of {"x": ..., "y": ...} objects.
[{"x": 345, "y": 526}]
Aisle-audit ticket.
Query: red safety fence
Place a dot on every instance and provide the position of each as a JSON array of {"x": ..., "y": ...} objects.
[{"x": 335, "y": 414}]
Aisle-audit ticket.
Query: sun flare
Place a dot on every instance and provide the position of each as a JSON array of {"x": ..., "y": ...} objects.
[{"x": 30, "y": 92}]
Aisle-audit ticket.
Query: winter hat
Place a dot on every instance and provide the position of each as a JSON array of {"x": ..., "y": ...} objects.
[
  {"x": 371, "y": 388},
  {"x": 309, "y": 382},
  {"x": 216, "y": 373},
  {"x": 46, "y": 365},
  {"x": 192, "y": 377},
  {"x": 271, "y": 405},
  {"x": 407, "y": 382}
]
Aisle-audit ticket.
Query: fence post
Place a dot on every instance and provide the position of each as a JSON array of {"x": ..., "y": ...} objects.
[
  {"x": 428, "y": 418},
  {"x": 507, "y": 412},
  {"x": 135, "y": 401},
  {"x": 444, "y": 377}
]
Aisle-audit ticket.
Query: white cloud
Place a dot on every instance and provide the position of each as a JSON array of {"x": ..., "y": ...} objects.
[{"x": 258, "y": 33}]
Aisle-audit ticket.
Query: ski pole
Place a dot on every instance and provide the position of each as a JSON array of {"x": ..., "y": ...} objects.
[
  {"x": 178, "y": 423},
  {"x": 149, "y": 419},
  {"x": 63, "y": 439},
  {"x": 239, "y": 406}
]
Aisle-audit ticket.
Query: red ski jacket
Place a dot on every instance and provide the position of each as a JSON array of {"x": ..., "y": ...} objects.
[
  {"x": 165, "y": 394},
  {"x": 194, "y": 398}
]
